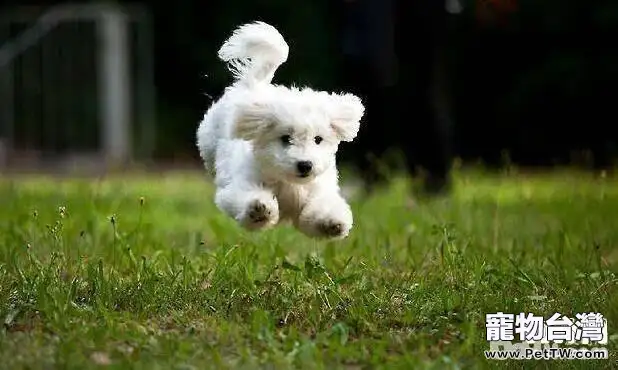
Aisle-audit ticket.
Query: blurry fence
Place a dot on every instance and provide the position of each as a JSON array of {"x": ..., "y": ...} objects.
[
  {"x": 76, "y": 81},
  {"x": 529, "y": 78}
]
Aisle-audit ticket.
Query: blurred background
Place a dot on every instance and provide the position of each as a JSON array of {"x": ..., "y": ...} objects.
[{"x": 530, "y": 82}]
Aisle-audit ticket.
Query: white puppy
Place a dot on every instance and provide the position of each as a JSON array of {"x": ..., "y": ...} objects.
[{"x": 272, "y": 148}]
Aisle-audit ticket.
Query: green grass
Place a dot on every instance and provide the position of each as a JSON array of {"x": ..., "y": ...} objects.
[{"x": 146, "y": 273}]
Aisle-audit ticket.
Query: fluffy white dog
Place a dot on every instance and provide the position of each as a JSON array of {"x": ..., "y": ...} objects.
[{"x": 272, "y": 148}]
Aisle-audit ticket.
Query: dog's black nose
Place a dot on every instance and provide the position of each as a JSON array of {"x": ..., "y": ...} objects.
[{"x": 304, "y": 168}]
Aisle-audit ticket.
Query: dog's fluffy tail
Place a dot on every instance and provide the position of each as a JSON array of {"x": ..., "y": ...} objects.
[{"x": 254, "y": 52}]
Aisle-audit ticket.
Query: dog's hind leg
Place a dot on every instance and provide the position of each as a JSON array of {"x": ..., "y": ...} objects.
[{"x": 253, "y": 207}]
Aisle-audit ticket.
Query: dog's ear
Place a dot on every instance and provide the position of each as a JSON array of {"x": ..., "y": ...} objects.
[
  {"x": 346, "y": 111},
  {"x": 252, "y": 119}
]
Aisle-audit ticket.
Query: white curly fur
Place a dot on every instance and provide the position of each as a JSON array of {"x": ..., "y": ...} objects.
[{"x": 253, "y": 139}]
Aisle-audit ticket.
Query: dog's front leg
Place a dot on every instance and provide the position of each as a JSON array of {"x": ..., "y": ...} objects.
[
  {"x": 325, "y": 214},
  {"x": 253, "y": 207}
]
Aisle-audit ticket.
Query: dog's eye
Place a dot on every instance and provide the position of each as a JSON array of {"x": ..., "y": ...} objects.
[
  {"x": 318, "y": 139},
  {"x": 286, "y": 139}
]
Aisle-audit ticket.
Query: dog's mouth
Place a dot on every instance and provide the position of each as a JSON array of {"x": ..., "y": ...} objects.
[{"x": 301, "y": 178}]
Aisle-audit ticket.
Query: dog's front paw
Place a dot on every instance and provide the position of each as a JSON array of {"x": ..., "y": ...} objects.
[
  {"x": 260, "y": 214},
  {"x": 332, "y": 228},
  {"x": 329, "y": 225}
]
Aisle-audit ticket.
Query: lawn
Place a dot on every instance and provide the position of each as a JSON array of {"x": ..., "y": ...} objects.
[{"x": 144, "y": 272}]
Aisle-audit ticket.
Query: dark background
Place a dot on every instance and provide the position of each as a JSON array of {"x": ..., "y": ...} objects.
[{"x": 535, "y": 85}]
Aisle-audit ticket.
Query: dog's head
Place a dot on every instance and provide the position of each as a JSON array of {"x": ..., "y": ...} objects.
[{"x": 295, "y": 133}]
